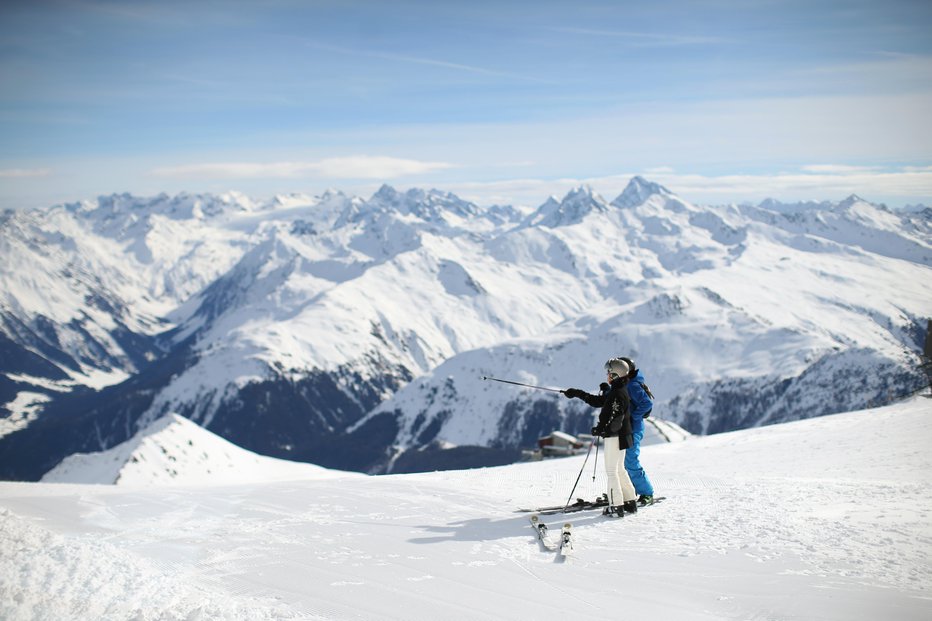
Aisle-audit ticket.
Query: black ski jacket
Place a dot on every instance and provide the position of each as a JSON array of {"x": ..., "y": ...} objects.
[{"x": 615, "y": 416}]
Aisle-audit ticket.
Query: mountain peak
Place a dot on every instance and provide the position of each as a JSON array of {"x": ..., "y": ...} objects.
[
  {"x": 386, "y": 194},
  {"x": 638, "y": 191},
  {"x": 584, "y": 191},
  {"x": 773, "y": 204},
  {"x": 428, "y": 205},
  {"x": 578, "y": 202},
  {"x": 851, "y": 200}
]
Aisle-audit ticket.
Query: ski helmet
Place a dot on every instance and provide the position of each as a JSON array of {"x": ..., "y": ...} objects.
[
  {"x": 617, "y": 367},
  {"x": 632, "y": 368}
]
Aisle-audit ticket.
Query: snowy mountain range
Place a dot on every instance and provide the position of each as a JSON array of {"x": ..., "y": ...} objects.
[{"x": 354, "y": 333}]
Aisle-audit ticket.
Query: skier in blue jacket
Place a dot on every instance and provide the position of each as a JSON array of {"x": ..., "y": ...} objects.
[{"x": 641, "y": 405}]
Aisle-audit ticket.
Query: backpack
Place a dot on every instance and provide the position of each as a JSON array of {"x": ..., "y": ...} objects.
[
  {"x": 647, "y": 390},
  {"x": 649, "y": 394}
]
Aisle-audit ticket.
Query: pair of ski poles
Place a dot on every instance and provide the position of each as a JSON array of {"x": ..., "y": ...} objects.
[{"x": 594, "y": 463}]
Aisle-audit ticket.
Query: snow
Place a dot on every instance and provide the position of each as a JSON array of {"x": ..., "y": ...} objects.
[
  {"x": 175, "y": 450},
  {"x": 24, "y": 408},
  {"x": 828, "y": 518}
]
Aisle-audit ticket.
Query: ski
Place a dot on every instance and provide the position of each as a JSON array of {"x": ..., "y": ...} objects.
[
  {"x": 656, "y": 500},
  {"x": 566, "y": 541},
  {"x": 543, "y": 535},
  {"x": 582, "y": 505},
  {"x": 589, "y": 506},
  {"x": 579, "y": 505}
]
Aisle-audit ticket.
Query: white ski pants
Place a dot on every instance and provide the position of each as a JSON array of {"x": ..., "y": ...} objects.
[{"x": 618, "y": 482}]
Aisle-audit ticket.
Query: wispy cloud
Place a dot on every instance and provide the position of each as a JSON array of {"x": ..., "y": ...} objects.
[
  {"x": 881, "y": 72},
  {"x": 22, "y": 173},
  {"x": 641, "y": 38},
  {"x": 420, "y": 60},
  {"x": 839, "y": 169},
  {"x": 355, "y": 167}
]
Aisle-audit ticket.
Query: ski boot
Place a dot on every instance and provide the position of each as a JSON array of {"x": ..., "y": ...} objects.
[
  {"x": 614, "y": 511},
  {"x": 631, "y": 506},
  {"x": 645, "y": 500}
]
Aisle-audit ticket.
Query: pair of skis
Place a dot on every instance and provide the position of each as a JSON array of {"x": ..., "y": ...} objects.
[
  {"x": 563, "y": 547},
  {"x": 583, "y": 505},
  {"x": 579, "y": 505}
]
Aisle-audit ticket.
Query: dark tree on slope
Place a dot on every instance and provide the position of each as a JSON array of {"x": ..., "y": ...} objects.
[{"x": 305, "y": 420}]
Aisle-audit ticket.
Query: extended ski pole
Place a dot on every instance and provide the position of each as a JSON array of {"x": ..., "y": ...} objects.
[
  {"x": 566, "y": 506},
  {"x": 595, "y": 462},
  {"x": 495, "y": 379}
]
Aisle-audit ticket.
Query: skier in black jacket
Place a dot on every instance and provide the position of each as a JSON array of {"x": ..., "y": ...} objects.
[{"x": 615, "y": 426}]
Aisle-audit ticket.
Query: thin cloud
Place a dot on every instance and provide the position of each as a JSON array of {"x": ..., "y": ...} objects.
[
  {"x": 355, "y": 167},
  {"x": 838, "y": 169},
  {"x": 24, "y": 173},
  {"x": 376, "y": 167},
  {"x": 642, "y": 38},
  {"x": 424, "y": 61}
]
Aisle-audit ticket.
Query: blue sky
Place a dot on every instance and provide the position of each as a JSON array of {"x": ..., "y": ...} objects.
[{"x": 505, "y": 101}]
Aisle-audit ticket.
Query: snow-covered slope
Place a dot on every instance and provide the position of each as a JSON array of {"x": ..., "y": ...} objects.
[
  {"x": 174, "y": 450},
  {"x": 822, "y": 519},
  {"x": 86, "y": 288},
  {"x": 290, "y": 326}
]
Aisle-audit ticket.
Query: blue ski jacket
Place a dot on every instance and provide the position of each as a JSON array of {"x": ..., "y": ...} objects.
[{"x": 641, "y": 403}]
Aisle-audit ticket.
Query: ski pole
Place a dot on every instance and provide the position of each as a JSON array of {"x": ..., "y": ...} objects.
[
  {"x": 495, "y": 379},
  {"x": 596, "y": 460},
  {"x": 565, "y": 507}
]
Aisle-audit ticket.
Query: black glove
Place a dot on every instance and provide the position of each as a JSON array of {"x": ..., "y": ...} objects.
[
  {"x": 597, "y": 431},
  {"x": 604, "y": 387},
  {"x": 573, "y": 393}
]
